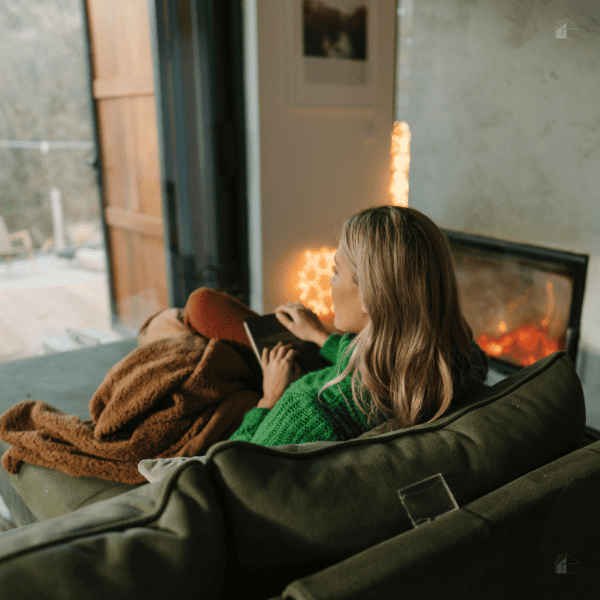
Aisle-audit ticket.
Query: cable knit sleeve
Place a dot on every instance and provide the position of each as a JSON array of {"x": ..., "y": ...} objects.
[
  {"x": 252, "y": 419},
  {"x": 330, "y": 348},
  {"x": 295, "y": 419}
]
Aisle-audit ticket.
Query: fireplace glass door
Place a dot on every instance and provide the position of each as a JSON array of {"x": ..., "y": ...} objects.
[{"x": 522, "y": 302}]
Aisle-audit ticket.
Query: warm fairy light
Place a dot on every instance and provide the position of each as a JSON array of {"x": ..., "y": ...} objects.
[
  {"x": 400, "y": 163},
  {"x": 313, "y": 280}
]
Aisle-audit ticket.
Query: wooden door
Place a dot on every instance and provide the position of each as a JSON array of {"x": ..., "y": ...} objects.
[{"x": 127, "y": 134}]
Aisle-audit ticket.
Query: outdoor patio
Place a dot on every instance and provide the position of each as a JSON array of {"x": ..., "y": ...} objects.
[{"x": 51, "y": 304}]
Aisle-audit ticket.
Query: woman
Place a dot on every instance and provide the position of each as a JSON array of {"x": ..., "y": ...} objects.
[{"x": 404, "y": 358}]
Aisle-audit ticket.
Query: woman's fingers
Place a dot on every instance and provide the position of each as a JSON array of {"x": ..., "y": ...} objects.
[
  {"x": 278, "y": 349},
  {"x": 284, "y": 311},
  {"x": 284, "y": 349},
  {"x": 290, "y": 306},
  {"x": 282, "y": 315}
]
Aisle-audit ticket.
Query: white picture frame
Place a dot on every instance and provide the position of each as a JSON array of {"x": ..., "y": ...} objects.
[{"x": 345, "y": 79}]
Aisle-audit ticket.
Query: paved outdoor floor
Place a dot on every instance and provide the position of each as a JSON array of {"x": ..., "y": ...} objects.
[{"x": 37, "y": 306}]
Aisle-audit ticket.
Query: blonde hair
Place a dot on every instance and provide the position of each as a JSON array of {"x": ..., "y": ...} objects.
[{"x": 414, "y": 355}]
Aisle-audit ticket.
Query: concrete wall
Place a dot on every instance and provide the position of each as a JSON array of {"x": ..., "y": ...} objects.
[{"x": 504, "y": 119}]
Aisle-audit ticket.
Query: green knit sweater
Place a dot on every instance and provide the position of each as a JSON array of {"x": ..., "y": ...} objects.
[{"x": 299, "y": 416}]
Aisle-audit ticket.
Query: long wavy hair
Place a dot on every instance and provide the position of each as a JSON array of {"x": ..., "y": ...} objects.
[{"x": 414, "y": 355}]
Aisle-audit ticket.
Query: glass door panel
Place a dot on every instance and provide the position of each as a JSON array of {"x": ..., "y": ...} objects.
[{"x": 54, "y": 287}]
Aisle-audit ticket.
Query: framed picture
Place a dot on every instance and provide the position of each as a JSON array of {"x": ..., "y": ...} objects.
[{"x": 332, "y": 54}]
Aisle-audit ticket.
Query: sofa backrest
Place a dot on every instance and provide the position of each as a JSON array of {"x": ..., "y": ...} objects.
[
  {"x": 294, "y": 509},
  {"x": 511, "y": 542}
]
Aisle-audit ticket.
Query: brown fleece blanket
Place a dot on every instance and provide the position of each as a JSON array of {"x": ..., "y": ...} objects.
[{"x": 175, "y": 395}]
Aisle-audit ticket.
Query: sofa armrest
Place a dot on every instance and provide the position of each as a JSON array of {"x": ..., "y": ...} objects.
[{"x": 161, "y": 540}]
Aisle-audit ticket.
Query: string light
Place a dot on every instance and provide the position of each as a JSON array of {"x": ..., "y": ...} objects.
[
  {"x": 313, "y": 280},
  {"x": 400, "y": 163}
]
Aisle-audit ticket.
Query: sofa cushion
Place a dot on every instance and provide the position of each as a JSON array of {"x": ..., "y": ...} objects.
[
  {"x": 37, "y": 493},
  {"x": 295, "y": 509}
]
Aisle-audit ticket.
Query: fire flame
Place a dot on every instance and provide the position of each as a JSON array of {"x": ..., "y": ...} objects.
[{"x": 527, "y": 343}]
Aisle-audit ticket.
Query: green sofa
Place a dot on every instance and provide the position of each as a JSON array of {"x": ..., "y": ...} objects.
[{"x": 324, "y": 521}]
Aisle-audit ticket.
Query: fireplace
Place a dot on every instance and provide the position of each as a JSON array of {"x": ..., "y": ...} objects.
[{"x": 522, "y": 302}]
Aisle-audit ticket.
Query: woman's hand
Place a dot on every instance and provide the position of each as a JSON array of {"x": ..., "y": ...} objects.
[
  {"x": 301, "y": 321},
  {"x": 279, "y": 371}
]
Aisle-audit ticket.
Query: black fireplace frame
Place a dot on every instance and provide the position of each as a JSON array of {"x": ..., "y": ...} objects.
[{"x": 576, "y": 265}]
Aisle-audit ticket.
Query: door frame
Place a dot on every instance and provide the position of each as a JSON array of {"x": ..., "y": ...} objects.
[
  {"x": 96, "y": 164},
  {"x": 198, "y": 59}
]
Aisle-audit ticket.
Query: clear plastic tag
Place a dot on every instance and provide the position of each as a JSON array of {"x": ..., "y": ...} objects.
[{"x": 427, "y": 499}]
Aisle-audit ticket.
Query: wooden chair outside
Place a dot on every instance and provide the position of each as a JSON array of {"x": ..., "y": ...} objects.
[{"x": 7, "y": 247}]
